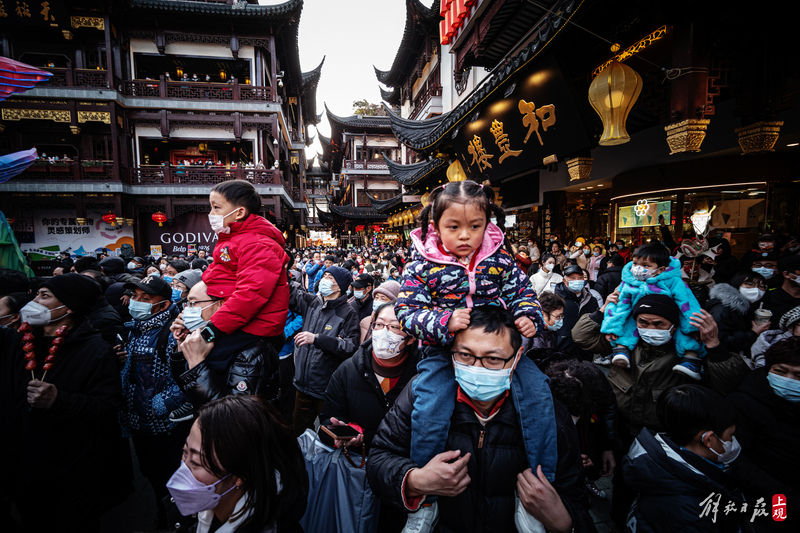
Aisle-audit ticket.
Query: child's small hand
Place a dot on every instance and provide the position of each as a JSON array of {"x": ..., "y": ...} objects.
[
  {"x": 458, "y": 320},
  {"x": 526, "y": 326},
  {"x": 611, "y": 337}
]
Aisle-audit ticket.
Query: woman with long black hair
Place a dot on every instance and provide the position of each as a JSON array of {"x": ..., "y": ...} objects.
[{"x": 239, "y": 446}]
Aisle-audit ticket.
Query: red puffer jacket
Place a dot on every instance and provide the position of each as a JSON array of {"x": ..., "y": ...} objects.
[{"x": 249, "y": 271}]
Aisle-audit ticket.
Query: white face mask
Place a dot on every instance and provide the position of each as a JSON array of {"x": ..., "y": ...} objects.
[
  {"x": 36, "y": 314},
  {"x": 641, "y": 273},
  {"x": 218, "y": 222},
  {"x": 385, "y": 344},
  {"x": 752, "y": 294},
  {"x": 548, "y": 267},
  {"x": 731, "y": 448},
  {"x": 655, "y": 337},
  {"x": 192, "y": 496}
]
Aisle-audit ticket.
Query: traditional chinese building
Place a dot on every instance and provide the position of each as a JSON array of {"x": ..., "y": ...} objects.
[
  {"x": 151, "y": 103},
  {"x": 705, "y": 129},
  {"x": 359, "y": 153}
]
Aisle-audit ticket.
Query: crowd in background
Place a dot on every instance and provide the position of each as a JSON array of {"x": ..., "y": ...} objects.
[{"x": 213, "y": 366}]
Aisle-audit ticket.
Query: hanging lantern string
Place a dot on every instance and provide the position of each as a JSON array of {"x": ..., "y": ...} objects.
[{"x": 671, "y": 73}]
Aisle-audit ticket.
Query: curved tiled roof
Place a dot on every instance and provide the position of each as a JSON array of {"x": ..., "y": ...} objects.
[
  {"x": 384, "y": 205},
  {"x": 415, "y": 172},
  {"x": 310, "y": 82},
  {"x": 393, "y": 96},
  {"x": 359, "y": 121},
  {"x": 357, "y": 213},
  {"x": 421, "y": 23},
  {"x": 424, "y": 134},
  {"x": 324, "y": 141},
  {"x": 239, "y": 9}
]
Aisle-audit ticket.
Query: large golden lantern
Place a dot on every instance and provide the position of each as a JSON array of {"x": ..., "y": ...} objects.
[
  {"x": 425, "y": 200},
  {"x": 612, "y": 94},
  {"x": 455, "y": 172}
]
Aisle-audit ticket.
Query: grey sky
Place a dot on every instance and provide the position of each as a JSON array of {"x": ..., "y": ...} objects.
[{"x": 354, "y": 35}]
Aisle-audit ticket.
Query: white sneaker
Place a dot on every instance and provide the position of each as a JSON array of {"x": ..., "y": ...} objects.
[
  {"x": 423, "y": 521},
  {"x": 602, "y": 360},
  {"x": 525, "y": 522},
  {"x": 621, "y": 360}
]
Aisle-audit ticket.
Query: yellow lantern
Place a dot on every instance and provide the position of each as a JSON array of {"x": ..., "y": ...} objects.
[
  {"x": 455, "y": 172},
  {"x": 612, "y": 95},
  {"x": 425, "y": 200}
]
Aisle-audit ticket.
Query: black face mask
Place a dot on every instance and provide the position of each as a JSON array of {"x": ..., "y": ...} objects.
[
  {"x": 374, "y": 261},
  {"x": 612, "y": 252}
]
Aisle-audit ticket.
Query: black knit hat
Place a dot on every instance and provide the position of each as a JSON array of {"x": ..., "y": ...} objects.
[
  {"x": 789, "y": 263},
  {"x": 658, "y": 304},
  {"x": 78, "y": 292},
  {"x": 343, "y": 277}
]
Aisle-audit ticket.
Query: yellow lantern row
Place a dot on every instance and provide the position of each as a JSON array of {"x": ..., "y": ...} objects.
[{"x": 404, "y": 218}]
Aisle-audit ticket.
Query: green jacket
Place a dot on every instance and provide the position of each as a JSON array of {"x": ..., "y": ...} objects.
[{"x": 638, "y": 388}]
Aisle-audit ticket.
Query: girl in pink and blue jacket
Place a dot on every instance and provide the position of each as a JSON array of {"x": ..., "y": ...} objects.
[{"x": 460, "y": 262}]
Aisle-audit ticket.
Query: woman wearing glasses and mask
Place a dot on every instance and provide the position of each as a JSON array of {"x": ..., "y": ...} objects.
[{"x": 365, "y": 387}]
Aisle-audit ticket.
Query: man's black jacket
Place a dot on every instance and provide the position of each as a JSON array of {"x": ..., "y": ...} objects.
[{"x": 497, "y": 456}]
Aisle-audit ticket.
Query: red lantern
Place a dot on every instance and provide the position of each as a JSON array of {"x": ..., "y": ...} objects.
[
  {"x": 160, "y": 218},
  {"x": 376, "y": 228},
  {"x": 110, "y": 218},
  {"x": 359, "y": 228}
]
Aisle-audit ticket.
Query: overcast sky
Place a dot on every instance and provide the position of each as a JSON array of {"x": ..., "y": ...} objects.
[{"x": 353, "y": 35}]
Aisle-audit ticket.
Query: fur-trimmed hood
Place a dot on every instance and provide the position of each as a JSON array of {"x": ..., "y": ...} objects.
[{"x": 730, "y": 297}]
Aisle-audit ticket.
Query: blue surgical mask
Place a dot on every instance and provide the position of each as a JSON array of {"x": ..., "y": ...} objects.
[
  {"x": 375, "y": 305},
  {"x": 359, "y": 295},
  {"x": 193, "y": 317},
  {"x": 764, "y": 271},
  {"x": 326, "y": 287},
  {"x": 786, "y": 388},
  {"x": 655, "y": 337},
  {"x": 140, "y": 310},
  {"x": 176, "y": 294},
  {"x": 557, "y": 325},
  {"x": 168, "y": 279},
  {"x": 482, "y": 384},
  {"x": 576, "y": 285}
]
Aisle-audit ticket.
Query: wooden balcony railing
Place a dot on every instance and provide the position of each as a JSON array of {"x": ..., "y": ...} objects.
[
  {"x": 366, "y": 164},
  {"x": 72, "y": 171},
  {"x": 431, "y": 89},
  {"x": 76, "y": 77},
  {"x": 196, "y": 91},
  {"x": 157, "y": 175}
]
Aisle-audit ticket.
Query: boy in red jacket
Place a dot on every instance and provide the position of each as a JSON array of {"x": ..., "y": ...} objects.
[{"x": 248, "y": 272}]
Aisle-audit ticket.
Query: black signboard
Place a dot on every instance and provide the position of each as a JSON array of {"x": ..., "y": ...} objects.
[
  {"x": 530, "y": 117},
  {"x": 185, "y": 230},
  {"x": 34, "y": 13}
]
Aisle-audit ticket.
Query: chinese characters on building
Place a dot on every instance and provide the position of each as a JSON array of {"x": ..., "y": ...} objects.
[
  {"x": 22, "y": 9},
  {"x": 66, "y": 226},
  {"x": 532, "y": 118}
]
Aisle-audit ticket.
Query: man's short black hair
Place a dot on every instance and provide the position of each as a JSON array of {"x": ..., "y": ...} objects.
[
  {"x": 493, "y": 319},
  {"x": 179, "y": 265},
  {"x": 551, "y": 302},
  {"x": 103, "y": 280},
  {"x": 13, "y": 281},
  {"x": 655, "y": 252},
  {"x": 617, "y": 260},
  {"x": 85, "y": 263},
  {"x": 685, "y": 410},
  {"x": 330, "y": 258},
  {"x": 784, "y": 352},
  {"x": 240, "y": 193}
]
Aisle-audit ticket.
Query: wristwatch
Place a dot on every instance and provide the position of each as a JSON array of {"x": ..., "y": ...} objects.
[{"x": 207, "y": 334}]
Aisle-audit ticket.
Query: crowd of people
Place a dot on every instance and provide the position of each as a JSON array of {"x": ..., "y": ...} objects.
[{"x": 487, "y": 384}]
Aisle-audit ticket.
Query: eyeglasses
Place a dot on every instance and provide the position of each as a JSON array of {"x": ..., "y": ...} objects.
[
  {"x": 490, "y": 362},
  {"x": 556, "y": 317},
  {"x": 377, "y": 326},
  {"x": 752, "y": 284},
  {"x": 194, "y": 303}
]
